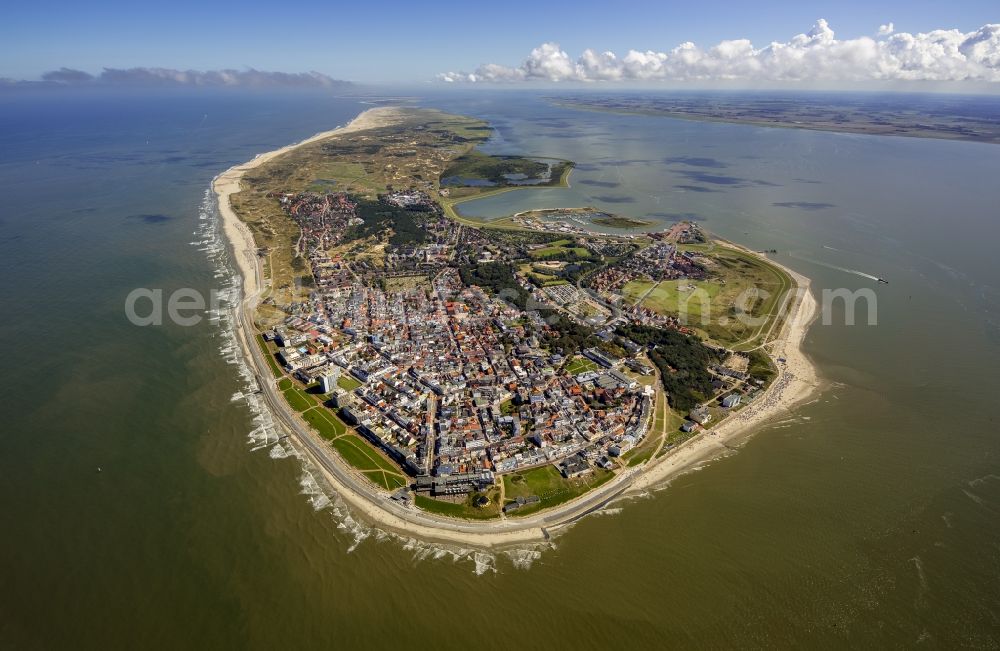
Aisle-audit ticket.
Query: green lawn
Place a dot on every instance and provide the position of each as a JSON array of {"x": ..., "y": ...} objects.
[
  {"x": 741, "y": 285},
  {"x": 670, "y": 296},
  {"x": 668, "y": 423},
  {"x": 633, "y": 291},
  {"x": 325, "y": 422},
  {"x": 642, "y": 453},
  {"x": 269, "y": 355},
  {"x": 386, "y": 480},
  {"x": 361, "y": 455},
  {"x": 348, "y": 383},
  {"x": 533, "y": 482},
  {"x": 376, "y": 468},
  {"x": 580, "y": 365},
  {"x": 297, "y": 398},
  {"x": 551, "y": 250},
  {"x": 550, "y": 486},
  {"x": 462, "y": 509},
  {"x": 741, "y": 271}
]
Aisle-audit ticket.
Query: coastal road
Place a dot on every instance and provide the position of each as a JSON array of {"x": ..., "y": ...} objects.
[
  {"x": 322, "y": 455},
  {"x": 360, "y": 492}
]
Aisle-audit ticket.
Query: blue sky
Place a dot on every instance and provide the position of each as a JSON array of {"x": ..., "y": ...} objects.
[{"x": 381, "y": 41}]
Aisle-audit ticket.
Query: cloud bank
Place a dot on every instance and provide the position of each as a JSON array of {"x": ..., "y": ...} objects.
[
  {"x": 249, "y": 78},
  {"x": 939, "y": 55}
]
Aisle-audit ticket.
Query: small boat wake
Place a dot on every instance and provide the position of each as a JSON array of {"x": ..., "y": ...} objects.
[{"x": 839, "y": 268}]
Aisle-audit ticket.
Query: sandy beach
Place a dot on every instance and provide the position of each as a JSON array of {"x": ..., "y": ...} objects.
[
  {"x": 796, "y": 381},
  {"x": 228, "y": 183},
  {"x": 371, "y": 506}
]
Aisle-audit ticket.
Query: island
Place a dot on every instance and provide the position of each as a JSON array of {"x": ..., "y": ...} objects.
[
  {"x": 915, "y": 116},
  {"x": 490, "y": 382}
]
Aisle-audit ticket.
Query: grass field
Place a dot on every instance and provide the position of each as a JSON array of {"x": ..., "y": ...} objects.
[
  {"x": 298, "y": 399},
  {"x": 386, "y": 480},
  {"x": 580, "y": 365},
  {"x": 666, "y": 423},
  {"x": 676, "y": 438},
  {"x": 542, "y": 276},
  {"x": 641, "y": 454},
  {"x": 353, "y": 449},
  {"x": 269, "y": 355},
  {"x": 347, "y": 383},
  {"x": 463, "y": 510},
  {"x": 325, "y": 422},
  {"x": 736, "y": 307},
  {"x": 376, "y": 468},
  {"x": 550, "y": 486},
  {"x": 361, "y": 455},
  {"x": 558, "y": 248},
  {"x": 672, "y": 295},
  {"x": 754, "y": 288}
]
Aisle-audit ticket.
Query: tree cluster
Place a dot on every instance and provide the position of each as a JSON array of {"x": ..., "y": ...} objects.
[
  {"x": 683, "y": 361},
  {"x": 378, "y": 216}
]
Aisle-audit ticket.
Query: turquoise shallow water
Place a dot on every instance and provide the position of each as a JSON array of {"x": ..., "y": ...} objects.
[{"x": 867, "y": 517}]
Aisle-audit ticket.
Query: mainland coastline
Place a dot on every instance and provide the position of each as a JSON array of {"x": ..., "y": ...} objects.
[{"x": 796, "y": 381}]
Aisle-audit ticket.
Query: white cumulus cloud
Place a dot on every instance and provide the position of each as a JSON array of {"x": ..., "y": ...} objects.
[{"x": 818, "y": 55}]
